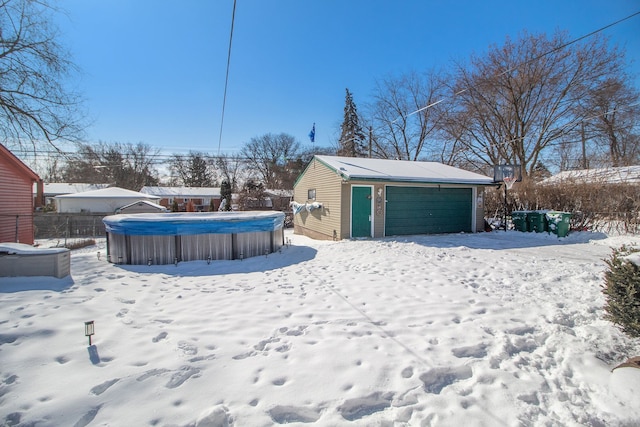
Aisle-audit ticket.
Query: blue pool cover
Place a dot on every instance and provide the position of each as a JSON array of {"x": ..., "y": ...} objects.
[{"x": 172, "y": 224}]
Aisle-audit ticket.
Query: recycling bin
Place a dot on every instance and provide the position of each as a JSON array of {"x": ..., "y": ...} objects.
[
  {"x": 537, "y": 221},
  {"x": 559, "y": 223},
  {"x": 519, "y": 219}
]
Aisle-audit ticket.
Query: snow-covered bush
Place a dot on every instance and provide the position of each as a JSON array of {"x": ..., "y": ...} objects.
[{"x": 622, "y": 291}]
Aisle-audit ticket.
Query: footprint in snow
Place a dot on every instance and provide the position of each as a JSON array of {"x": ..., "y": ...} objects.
[
  {"x": 477, "y": 351},
  {"x": 354, "y": 409},
  {"x": 188, "y": 348},
  {"x": 160, "y": 336},
  {"x": 438, "y": 378},
  {"x": 179, "y": 377},
  {"x": 101, "y": 388},
  {"x": 284, "y": 414}
]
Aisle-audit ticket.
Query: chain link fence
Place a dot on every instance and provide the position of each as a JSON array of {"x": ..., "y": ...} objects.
[{"x": 68, "y": 226}]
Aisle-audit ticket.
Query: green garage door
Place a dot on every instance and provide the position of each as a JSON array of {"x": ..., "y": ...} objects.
[{"x": 427, "y": 210}]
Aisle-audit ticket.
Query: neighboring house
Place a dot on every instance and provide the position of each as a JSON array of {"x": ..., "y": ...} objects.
[
  {"x": 16, "y": 209},
  {"x": 617, "y": 175},
  {"x": 106, "y": 200},
  {"x": 344, "y": 197},
  {"x": 142, "y": 206},
  {"x": 280, "y": 199},
  {"x": 53, "y": 189},
  {"x": 200, "y": 196}
]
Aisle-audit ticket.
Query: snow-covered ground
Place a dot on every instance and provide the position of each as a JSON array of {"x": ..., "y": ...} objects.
[{"x": 501, "y": 328}]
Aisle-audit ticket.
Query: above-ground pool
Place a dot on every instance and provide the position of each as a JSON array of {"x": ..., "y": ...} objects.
[{"x": 173, "y": 237}]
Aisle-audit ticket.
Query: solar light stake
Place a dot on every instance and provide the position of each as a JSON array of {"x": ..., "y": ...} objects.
[
  {"x": 98, "y": 255},
  {"x": 175, "y": 261},
  {"x": 209, "y": 260},
  {"x": 89, "y": 330},
  {"x": 120, "y": 260},
  {"x": 149, "y": 261},
  {"x": 241, "y": 256}
]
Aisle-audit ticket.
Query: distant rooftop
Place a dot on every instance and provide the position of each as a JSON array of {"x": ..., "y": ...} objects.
[
  {"x": 57, "y": 188},
  {"x": 619, "y": 175},
  {"x": 170, "y": 192},
  {"x": 111, "y": 192}
]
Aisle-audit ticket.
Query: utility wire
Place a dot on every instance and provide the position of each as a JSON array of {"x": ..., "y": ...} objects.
[
  {"x": 529, "y": 61},
  {"x": 226, "y": 78}
]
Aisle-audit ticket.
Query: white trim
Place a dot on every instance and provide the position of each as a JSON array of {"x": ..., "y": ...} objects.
[
  {"x": 371, "y": 210},
  {"x": 474, "y": 207}
]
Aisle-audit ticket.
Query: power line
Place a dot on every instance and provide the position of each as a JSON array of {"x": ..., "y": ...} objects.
[
  {"x": 569, "y": 43},
  {"x": 226, "y": 79}
]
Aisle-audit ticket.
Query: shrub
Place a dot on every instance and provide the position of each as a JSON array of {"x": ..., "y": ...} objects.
[
  {"x": 80, "y": 244},
  {"x": 593, "y": 206},
  {"x": 622, "y": 291}
]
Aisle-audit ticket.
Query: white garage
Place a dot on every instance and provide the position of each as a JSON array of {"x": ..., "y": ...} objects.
[{"x": 106, "y": 200}]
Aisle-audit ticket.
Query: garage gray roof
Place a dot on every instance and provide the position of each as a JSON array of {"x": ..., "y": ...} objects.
[{"x": 353, "y": 168}]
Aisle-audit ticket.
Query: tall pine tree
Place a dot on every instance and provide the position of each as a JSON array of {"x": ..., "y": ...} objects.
[
  {"x": 352, "y": 140},
  {"x": 225, "y": 195}
]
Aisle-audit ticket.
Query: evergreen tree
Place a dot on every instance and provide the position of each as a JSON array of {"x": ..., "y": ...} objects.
[
  {"x": 193, "y": 170},
  {"x": 622, "y": 291},
  {"x": 225, "y": 194},
  {"x": 352, "y": 140}
]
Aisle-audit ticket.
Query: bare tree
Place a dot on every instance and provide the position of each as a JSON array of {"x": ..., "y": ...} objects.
[
  {"x": 35, "y": 105},
  {"x": 123, "y": 165},
  {"x": 230, "y": 168},
  {"x": 615, "y": 121},
  {"x": 252, "y": 196},
  {"x": 406, "y": 115},
  {"x": 522, "y": 97},
  {"x": 49, "y": 167},
  {"x": 268, "y": 155}
]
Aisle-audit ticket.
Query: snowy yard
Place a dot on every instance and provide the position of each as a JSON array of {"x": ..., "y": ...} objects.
[{"x": 487, "y": 329}]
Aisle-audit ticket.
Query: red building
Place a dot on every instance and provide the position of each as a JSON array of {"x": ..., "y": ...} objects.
[{"x": 16, "y": 198}]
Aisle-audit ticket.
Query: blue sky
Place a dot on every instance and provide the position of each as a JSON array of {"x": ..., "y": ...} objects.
[{"x": 153, "y": 71}]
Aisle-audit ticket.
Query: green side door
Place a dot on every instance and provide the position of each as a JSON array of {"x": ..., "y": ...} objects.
[{"x": 361, "y": 200}]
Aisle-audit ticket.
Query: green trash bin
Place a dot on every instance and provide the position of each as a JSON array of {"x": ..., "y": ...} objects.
[
  {"x": 559, "y": 223},
  {"x": 519, "y": 219},
  {"x": 537, "y": 221}
]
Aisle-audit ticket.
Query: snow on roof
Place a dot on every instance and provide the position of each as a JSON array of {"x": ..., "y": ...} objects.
[
  {"x": 279, "y": 193},
  {"x": 401, "y": 170},
  {"x": 182, "y": 191},
  {"x": 56, "y": 188},
  {"x": 111, "y": 192},
  {"x": 619, "y": 175},
  {"x": 145, "y": 202}
]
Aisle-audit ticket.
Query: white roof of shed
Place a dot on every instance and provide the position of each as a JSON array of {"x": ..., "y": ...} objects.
[
  {"x": 401, "y": 170},
  {"x": 144, "y": 202},
  {"x": 111, "y": 192}
]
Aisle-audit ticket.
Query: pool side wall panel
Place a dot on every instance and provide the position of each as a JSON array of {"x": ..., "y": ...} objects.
[{"x": 160, "y": 250}]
